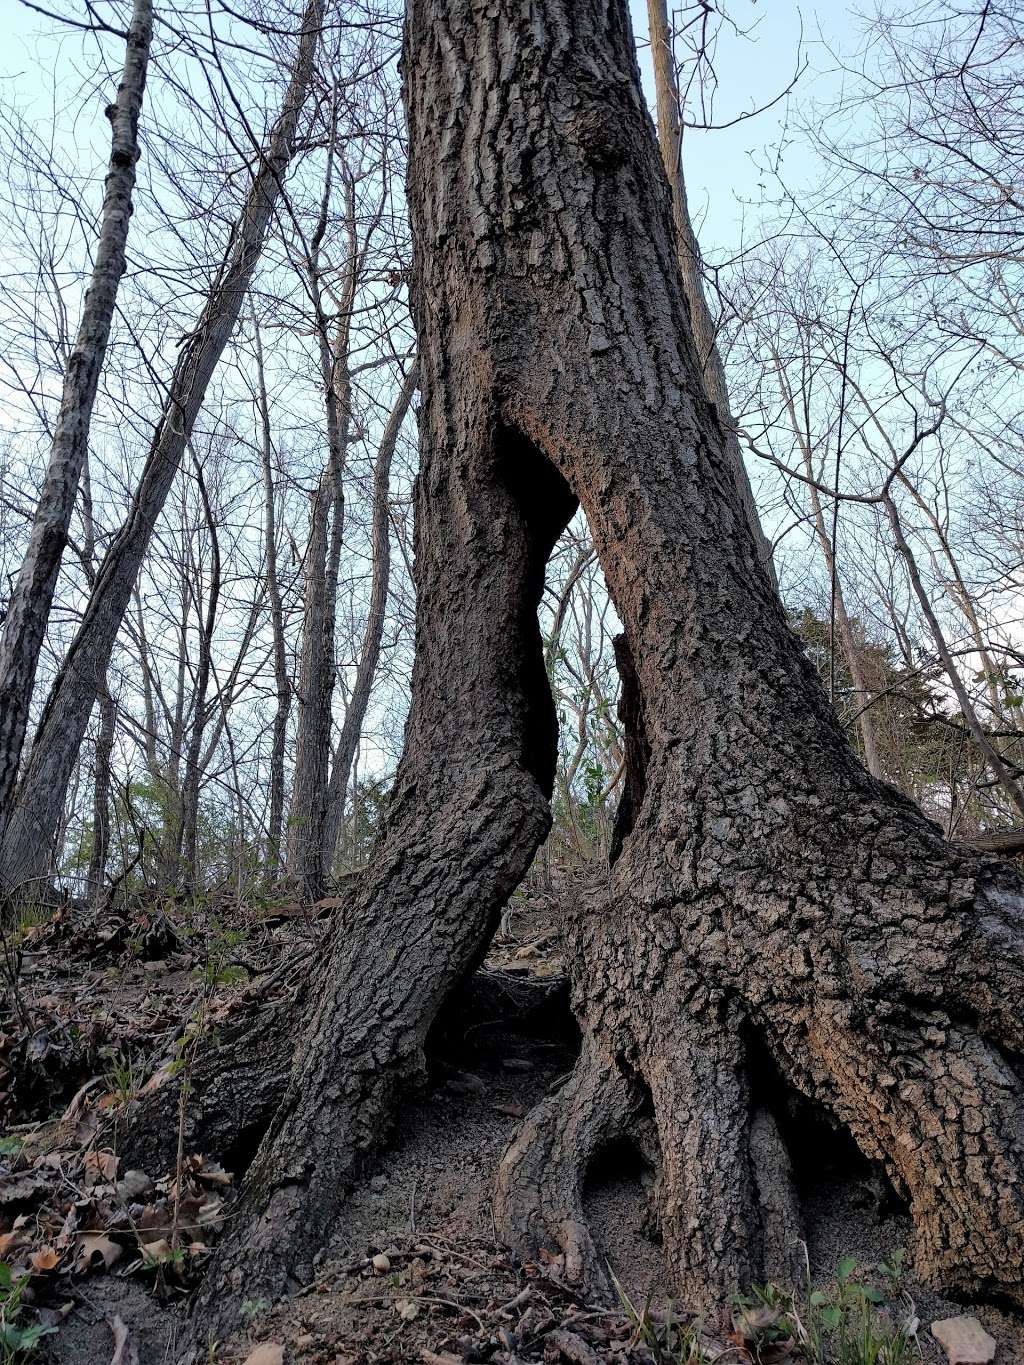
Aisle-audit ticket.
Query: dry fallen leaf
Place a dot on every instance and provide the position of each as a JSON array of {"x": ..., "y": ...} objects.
[
  {"x": 156, "y": 1253},
  {"x": 46, "y": 1258},
  {"x": 100, "y": 1166},
  {"x": 93, "y": 1244}
]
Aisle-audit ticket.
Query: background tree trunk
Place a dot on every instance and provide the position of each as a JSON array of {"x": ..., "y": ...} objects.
[
  {"x": 28, "y": 609},
  {"x": 705, "y": 333},
  {"x": 41, "y": 791},
  {"x": 282, "y": 679},
  {"x": 369, "y": 656},
  {"x": 308, "y": 821},
  {"x": 769, "y": 898},
  {"x": 101, "y": 796}
]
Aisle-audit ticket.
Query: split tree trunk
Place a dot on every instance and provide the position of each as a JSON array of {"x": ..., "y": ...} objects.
[
  {"x": 41, "y": 790},
  {"x": 28, "y": 610},
  {"x": 766, "y": 888}
]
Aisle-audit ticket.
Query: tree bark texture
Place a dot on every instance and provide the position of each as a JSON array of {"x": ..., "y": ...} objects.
[
  {"x": 102, "y": 781},
  {"x": 41, "y": 790},
  {"x": 28, "y": 609},
  {"x": 766, "y": 890}
]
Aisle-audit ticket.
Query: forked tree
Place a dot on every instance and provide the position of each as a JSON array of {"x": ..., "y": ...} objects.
[{"x": 770, "y": 907}]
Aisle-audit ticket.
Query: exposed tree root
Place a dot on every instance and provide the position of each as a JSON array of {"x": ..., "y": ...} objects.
[
  {"x": 240, "y": 1073},
  {"x": 538, "y": 1200},
  {"x": 927, "y": 1096},
  {"x": 725, "y": 1201}
]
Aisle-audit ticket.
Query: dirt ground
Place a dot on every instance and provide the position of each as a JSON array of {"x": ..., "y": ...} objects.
[{"x": 413, "y": 1272}]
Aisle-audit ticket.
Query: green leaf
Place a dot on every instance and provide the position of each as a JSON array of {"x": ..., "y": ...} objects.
[
  {"x": 830, "y": 1318},
  {"x": 873, "y": 1295},
  {"x": 845, "y": 1268},
  {"x": 819, "y": 1298}
]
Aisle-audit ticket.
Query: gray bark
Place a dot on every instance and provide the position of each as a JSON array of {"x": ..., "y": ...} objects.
[
  {"x": 101, "y": 797},
  {"x": 369, "y": 656},
  {"x": 308, "y": 820},
  {"x": 41, "y": 791},
  {"x": 28, "y": 610}
]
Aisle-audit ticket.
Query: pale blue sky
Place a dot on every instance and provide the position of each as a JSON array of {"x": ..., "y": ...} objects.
[{"x": 720, "y": 165}]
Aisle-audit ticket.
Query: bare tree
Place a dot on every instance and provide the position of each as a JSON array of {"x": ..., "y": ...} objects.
[
  {"x": 369, "y": 654},
  {"x": 43, "y": 784},
  {"x": 28, "y": 609}
]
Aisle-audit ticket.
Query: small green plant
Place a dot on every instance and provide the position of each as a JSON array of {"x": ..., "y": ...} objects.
[
  {"x": 17, "y": 1341},
  {"x": 254, "y": 1308},
  {"x": 765, "y": 1319},
  {"x": 218, "y": 968},
  {"x": 853, "y": 1323},
  {"x": 122, "y": 1080},
  {"x": 669, "y": 1340}
]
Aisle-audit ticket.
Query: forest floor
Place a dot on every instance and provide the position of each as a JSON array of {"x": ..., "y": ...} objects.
[{"x": 106, "y": 1256}]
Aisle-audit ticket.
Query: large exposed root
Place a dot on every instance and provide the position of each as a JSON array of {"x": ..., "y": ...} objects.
[
  {"x": 725, "y": 1200},
  {"x": 240, "y": 1071},
  {"x": 927, "y": 1096},
  {"x": 538, "y": 1199},
  {"x": 941, "y": 1110}
]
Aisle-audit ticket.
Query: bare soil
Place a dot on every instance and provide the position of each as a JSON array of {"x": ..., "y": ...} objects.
[{"x": 440, "y": 1287}]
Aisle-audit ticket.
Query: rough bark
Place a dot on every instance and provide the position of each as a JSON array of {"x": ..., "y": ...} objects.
[
  {"x": 369, "y": 655},
  {"x": 241, "y": 1068},
  {"x": 766, "y": 887},
  {"x": 28, "y": 609},
  {"x": 41, "y": 790}
]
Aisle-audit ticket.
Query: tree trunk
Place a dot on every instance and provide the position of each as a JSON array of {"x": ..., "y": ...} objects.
[
  {"x": 101, "y": 796},
  {"x": 705, "y": 333},
  {"x": 188, "y": 847},
  {"x": 282, "y": 680},
  {"x": 43, "y": 785},
  {"x": 308, "y": 822},
  {"x": 369, "y": 656},
  {"x": 767, "y": 891},
  {"x": 29, "y": 607}
]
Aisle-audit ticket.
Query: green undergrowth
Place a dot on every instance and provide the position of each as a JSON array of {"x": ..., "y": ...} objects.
[{"x": 864, "y": 1316}]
